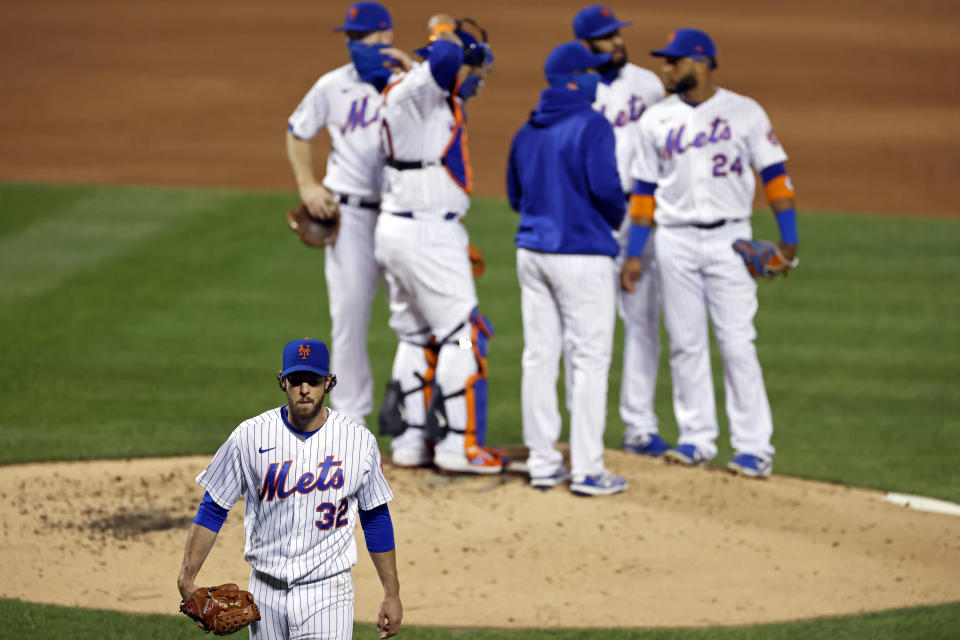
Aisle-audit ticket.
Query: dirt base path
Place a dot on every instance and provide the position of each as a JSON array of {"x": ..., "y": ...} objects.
[{"x": 681, "y": 548}]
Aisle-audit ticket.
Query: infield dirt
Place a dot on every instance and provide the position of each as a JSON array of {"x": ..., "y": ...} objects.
[
  {"x": 180, "y": 92},
  {"x": 862, "y": 92}
]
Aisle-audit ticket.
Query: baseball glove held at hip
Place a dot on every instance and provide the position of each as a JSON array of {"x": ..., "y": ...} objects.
[
  {"x": 763, "y": 259},
  {"x": 314, "y": 232},
  {"x": 223, "y": 610}
]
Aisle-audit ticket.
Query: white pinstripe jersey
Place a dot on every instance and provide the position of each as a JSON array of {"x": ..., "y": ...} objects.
[
  {"x": 301, "y": 493},
  {"x": 702, "y": 157},
  {"x": 623, "y": 101},
  {"x": 350, "y": 110},
  {"x": 418, "y": 123}
]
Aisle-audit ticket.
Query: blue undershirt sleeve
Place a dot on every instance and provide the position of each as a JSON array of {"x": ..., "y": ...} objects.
[
  {"x": 445, "y": 60},
  {"x": 210, "y": 514},
  {"x": 377, "y": 528}
]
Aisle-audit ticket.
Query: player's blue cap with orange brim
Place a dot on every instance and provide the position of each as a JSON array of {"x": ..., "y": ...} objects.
[
  {"x": 595, "y": 22},
  {"x": 366, "y": 16},
  {"x": 571, "y": 57},
  {"x": 306, "y": 355},
  {"x": 692, "y": 43}
]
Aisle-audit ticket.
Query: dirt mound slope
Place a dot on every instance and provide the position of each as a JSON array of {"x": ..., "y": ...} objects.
[{"x": 744, "y": 551}]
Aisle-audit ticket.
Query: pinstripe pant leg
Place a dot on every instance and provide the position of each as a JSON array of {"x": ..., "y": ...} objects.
[
  {"x": 542, "y": 344},
  {"x": 640, "y": 312},
  {"x": 685, "y": 316},
  {"x": 324, "y": 609},
  {"x": 271, "y": 599},
  {"x": 587, "y": 297},
  {"x": 352, "y": 276},
  {"x": 732, "y": 298}
]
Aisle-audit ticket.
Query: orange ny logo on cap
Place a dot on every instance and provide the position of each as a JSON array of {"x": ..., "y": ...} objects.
[
  {"x": 671, "y": 37},
  {"x": 699, "y": 48},
  {"x": 353, "y": 16},
  {"x": 605, "y": 12},
  {"x": 304, "y": 351}
]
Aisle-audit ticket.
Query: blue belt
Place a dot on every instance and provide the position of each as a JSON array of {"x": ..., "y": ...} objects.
[{"x": 409, "y": 214}]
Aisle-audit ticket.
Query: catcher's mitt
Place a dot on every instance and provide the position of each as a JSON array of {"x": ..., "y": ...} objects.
[
  {"x": 222, "y": 609},
  {"x": 313, "y": 231},
  {"x": 764, "y": 259}
]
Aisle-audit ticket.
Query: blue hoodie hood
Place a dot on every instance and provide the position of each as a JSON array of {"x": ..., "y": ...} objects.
[{"x": 557, "y": 104}]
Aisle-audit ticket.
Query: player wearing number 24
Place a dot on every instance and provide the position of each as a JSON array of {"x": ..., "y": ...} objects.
[
  {"x": 693, "y": 172},
  {"x": 307, "y": 473}
]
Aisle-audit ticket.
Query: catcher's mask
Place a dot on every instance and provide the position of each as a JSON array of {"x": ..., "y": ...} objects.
[{"x": 476, "y": 50}]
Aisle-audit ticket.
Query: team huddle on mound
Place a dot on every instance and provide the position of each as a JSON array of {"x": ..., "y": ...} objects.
[
  {"x": 634, "y": 196},
  {"x": 608, "y": 153}
]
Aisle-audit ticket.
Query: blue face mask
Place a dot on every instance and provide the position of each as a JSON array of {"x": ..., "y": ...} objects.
[
  {"x": 470, "y": 87},
  {"x": 588, "y": 84},
  {"x": 369, "y": 62}
]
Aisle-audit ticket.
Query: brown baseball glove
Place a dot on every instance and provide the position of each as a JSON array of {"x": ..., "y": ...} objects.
[
  {"x": 477, "y": 263},
  {"x": 223, "y": 610},
  {"x": 313, "y": 231}
]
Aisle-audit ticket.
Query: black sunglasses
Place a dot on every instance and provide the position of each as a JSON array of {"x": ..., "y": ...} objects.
[{"x": 299, "y": 377}]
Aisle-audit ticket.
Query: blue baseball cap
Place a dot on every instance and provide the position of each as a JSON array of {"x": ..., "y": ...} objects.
[
  {"x": 366, "y": 16},
  {"x": 692, "y": 43},
  {"x": 572, "y": 56},
  {"x": 306, "y": 355},
  {"x": 595, "y": 22}
]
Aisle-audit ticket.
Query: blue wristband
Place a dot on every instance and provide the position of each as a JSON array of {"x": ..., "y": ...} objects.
[
  {"x": 637, "y": 239},
  {"x": 787, "y": 221}
]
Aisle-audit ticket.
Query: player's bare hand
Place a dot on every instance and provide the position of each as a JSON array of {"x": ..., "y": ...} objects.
[
  {"x": 402, "y": 59},
  {"x": 789, "y": 251},
  {"x": 319, "y": 201},
  {"x": 630, "y": 273},
  {"x": 391, "y": 613},
  {"x": 186, "y": 589}
]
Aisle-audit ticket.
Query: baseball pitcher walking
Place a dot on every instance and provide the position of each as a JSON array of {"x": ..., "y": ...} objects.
[
  {"x": 694, "y": 177},
  {"x": 306, "y": 473}
]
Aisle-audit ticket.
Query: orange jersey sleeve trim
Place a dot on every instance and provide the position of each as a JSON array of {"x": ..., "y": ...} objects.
[
  {"x": 642, "y": 206},
  {"x": 780, "y": 188}
]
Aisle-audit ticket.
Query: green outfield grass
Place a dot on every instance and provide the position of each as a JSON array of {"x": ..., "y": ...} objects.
[
  {"x": 149, "y": 322},
  {"x": 27, "y": 620}
]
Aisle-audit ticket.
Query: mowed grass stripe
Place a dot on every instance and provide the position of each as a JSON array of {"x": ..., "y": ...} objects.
[
  {"x": 28, "y": 620},
  {"x": 158, "y": 338}
]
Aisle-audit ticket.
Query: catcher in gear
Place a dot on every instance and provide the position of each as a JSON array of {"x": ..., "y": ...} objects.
[{"x": 223, "y": 609}]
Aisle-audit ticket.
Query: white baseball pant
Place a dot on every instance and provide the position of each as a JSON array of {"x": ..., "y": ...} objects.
[
  {"x": 640, "y": 313},
  {"x": 565, "y": 299},
  {"x": 352, "y": 277},
  {"x": 321, "y": 610},
  {"x": 700, "y": 274}
]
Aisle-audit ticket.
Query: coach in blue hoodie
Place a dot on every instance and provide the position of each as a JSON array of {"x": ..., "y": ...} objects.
[{"x": 562, "y": 178}]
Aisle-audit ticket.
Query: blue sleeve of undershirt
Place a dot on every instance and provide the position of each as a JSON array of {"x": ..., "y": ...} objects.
[
  {"x": 377, "y": 528},
  {"x": 210, "y": 514},
  {"x": 445, "y": 60}
]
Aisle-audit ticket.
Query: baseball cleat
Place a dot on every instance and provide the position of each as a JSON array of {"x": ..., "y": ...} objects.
[
  {"x": 410, "y": 458},
  {"x": 483, "y": 460},
  {"x": 559, "y": 476},
  {"x": 686, "y": 454},
  {"x": 750, "y": 466},
  {"x": 602, "y": 484},
  {"x": 648, "y": 444}
]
